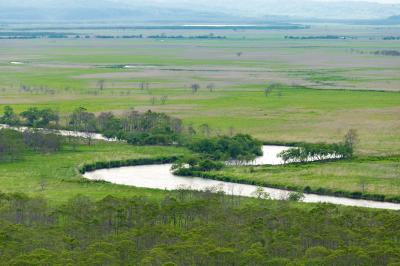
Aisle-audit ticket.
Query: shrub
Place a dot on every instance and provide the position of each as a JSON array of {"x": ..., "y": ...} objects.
[{"x": 296, "y": 196}]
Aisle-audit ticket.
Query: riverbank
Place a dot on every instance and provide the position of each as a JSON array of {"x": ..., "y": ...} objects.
[
  {"x": 160, "y": 176},
  {"x": 372, "y": 178}
]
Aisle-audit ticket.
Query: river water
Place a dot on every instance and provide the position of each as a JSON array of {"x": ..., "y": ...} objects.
[{"x": 160, "y": 177}]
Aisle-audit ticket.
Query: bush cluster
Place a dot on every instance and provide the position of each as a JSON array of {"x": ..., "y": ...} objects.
[
  {"x": 13, "y": 143},
  {"x": 240, "y": 147}
]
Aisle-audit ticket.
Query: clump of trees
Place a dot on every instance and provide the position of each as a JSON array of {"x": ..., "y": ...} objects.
[
  {"x": 41, "y": 142},
  {"x": 193, "y": 228},
  {"x": 149, "y": 128},
  {"x": 33, "y": 117},
  {"x": 211, "y": 153},
  {"x": 239, "y": 147},
  {"x": 40, "y": 117},
  {"x": 13, "y": 143},
  {"x": 319, "y": 151},
  {"x": 9, "y": 117}
]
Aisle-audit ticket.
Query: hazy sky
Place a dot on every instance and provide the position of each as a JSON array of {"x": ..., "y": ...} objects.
[
  {"x": 377, "y": 1},
  {"x": 342, "y": 9}
]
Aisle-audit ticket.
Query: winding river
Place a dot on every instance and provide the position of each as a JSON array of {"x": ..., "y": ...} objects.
[{"x": 159, "y": 176}]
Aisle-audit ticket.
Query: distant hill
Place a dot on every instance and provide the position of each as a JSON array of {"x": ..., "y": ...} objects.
[{"x": 190, "y": 11}]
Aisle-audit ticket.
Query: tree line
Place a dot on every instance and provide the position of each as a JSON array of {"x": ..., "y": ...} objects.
[
  {"x": 305, "y": 152},
  {"x": 193, "y": 228},
  {"x": 136, "y": 128}
]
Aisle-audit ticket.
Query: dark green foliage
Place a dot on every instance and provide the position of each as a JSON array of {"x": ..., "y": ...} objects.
[
  {"x": 194, "y": 163},
  {"x": 129, "y": 162},
  {"x": 193, "y": 228},
  {"x": 150, "y": 138},
  {"x": 240, "y": 147},
  {"x": 9, "y": 117},
  {"x": 42, "y": 142},
  {"x": 11, "y": 145},
  {"x": 319, "y": 151},
  {"x": 82, "y": 120},
  {"x": 14, "y": 143},
  {"x": 109, "y": 125},
  {"x": 296, "y": 196},
  {"x": 35, "y": 117}
]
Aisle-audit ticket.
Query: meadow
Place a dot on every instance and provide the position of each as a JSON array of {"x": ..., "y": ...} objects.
[
  {"x": 325, "y": 87},
  {"x": 56, "y": 176}
]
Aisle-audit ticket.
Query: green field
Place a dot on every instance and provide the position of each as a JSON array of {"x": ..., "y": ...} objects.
[
  {"x": 368, "y": 175},
  {"x": 327, "y": 87},
  {"x": 60, "y": 177}
]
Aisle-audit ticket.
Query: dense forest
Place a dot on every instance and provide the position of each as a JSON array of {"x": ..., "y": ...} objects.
[{"x": 192, "y": 228}]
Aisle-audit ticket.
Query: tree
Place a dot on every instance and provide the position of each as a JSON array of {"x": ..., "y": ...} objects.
[
  {"x": 40, "y": 118},
  {"x": 144, "y": 85},
  {"x": 267, "y": 91},
  {"x": 205, "y": 129},
  {"x": 211, "y": 87},
  {"x": 81, "y": 120},
  {"x": 296, "y": 196},
  {"x": 100, "y": 84},
  {"x": 164, "y": 99},
  {"x": 47, "y": 116},
  {"x": 11, "y": 145},
  {"x": 9, "y": 117},
  {"x": 351, "y": 139},
  {"x": 191, "y": 131},
  {"x": 32, "y": 116},
  {"x": 195, "y": 87},
  {"x": 108, "y": 124}
]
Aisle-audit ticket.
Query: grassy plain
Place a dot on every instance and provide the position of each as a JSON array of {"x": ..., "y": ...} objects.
[
  {"x": 345, "y": 89},
  {"x": 56, "y": 176},
  {"x": 366, "y": 175}
]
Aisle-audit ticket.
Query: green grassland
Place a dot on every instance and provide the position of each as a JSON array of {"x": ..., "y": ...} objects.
[
  {"x": 367, "y": 175},
  {"x": 289, "y": 114},
  {"x": 60, "y": 175},
  {"x": 328, "y": 89}
]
